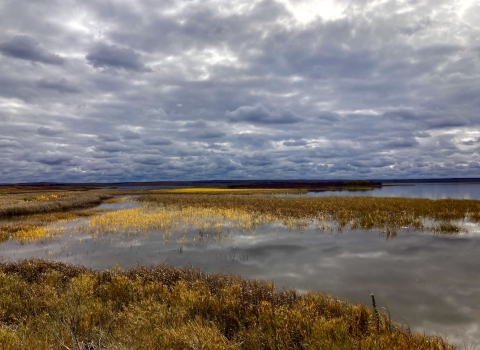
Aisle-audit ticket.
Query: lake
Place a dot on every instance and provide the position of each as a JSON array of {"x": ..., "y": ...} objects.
[
  {"x": 432, "y": 191},
  {"x": 430, "y": 283}
]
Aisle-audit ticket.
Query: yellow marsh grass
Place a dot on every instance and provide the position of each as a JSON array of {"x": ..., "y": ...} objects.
[
  {"x": 46, "y": 198},
  {"x": 51, "y": 305},
  {"x": 388, "y": 214},
  {"x": 37, "y": 232},
  {"x": 149, "y": 218},
  {"x": 37, "y": 226}
]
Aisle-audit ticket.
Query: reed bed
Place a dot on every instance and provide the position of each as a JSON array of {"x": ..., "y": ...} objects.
[
  {"x": 387, "y": 214},
  {"x": 12, "y": 198},
  {"x": 187, "y": 213},
  {"x": 52, "y": 305},
  {"x": 169, "y": 220}
]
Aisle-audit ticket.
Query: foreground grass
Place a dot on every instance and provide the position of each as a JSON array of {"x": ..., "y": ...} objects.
[
  {"x": 388, "y": 214},
  {"x": 51, "y": 305}
]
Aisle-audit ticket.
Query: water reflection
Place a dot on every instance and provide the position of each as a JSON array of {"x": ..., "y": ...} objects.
[
  {"x": 431, "y": 282},
  {"x": 128, "y": 203},
  {"x": 432, "y": 191}
]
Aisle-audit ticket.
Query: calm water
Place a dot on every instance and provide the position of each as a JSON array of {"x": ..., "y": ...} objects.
[
  {"x": 431, "y": 283},
  {"x": 433, "y": 191}
]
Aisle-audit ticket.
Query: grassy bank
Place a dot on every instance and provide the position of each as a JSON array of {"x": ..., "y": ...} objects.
[
  {"x": 12, "y": 205},
  {"x": 51, "y": 305},
  {"x": 31, "y": 215}
]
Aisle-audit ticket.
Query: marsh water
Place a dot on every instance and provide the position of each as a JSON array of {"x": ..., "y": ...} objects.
[
  {"x": 429, "y": 190},
  {"x": 427, "y": 282}
]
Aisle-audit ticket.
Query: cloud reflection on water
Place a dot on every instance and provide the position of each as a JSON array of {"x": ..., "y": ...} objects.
[
  {"x": 431, "y": 282},
  {"x": 419, "y": 190}
]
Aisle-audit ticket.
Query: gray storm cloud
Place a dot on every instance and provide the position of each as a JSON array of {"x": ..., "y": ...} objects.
[
  {"x": 62, "y": 86},
  {"x": 26, "y": 48},
  {"x": 295, "y": 143},
  {"x": 260, "y": 115},
  {"x": 47, "y": 131},
  {"x": 112, "y": 56},
  {"x": 157, "y": 141},
  {"x": 116, "y": 91}
]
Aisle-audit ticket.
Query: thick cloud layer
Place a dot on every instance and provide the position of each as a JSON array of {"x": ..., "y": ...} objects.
[
  {"x": 26, "y": 48},
  {"x": 143, "y": 90}
]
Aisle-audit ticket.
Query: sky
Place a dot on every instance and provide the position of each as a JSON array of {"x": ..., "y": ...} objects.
[{"x": 143, "y": 90}]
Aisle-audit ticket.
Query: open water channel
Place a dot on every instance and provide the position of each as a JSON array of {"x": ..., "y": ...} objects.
[{"x": 430, "y": 283}]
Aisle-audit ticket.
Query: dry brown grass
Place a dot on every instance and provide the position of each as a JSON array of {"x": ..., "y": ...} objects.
[{"x": 51, "y": 305}]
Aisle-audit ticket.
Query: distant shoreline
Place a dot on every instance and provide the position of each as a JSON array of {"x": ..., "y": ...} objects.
[{"x": 311, "y": 185}]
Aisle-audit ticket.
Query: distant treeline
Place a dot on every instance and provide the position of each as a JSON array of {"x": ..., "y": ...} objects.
[
  {"x": 312, "y": 185},
  {"x": 228, "y": 183}
]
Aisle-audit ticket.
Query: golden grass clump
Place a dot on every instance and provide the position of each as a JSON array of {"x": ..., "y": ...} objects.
[
  {"x": 52, "y": 305},
  {"x": 46, "y": 198},
  {"x": 28, "y": 231},
  {"x": 170, "y": 219},
  {"x": 4, "y": 235},
  {"x": 37, "y": 226},
  {"x": 37, "y": 232}
]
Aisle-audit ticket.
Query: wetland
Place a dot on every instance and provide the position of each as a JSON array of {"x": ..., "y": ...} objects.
[{"x": 419, "y": 256}]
